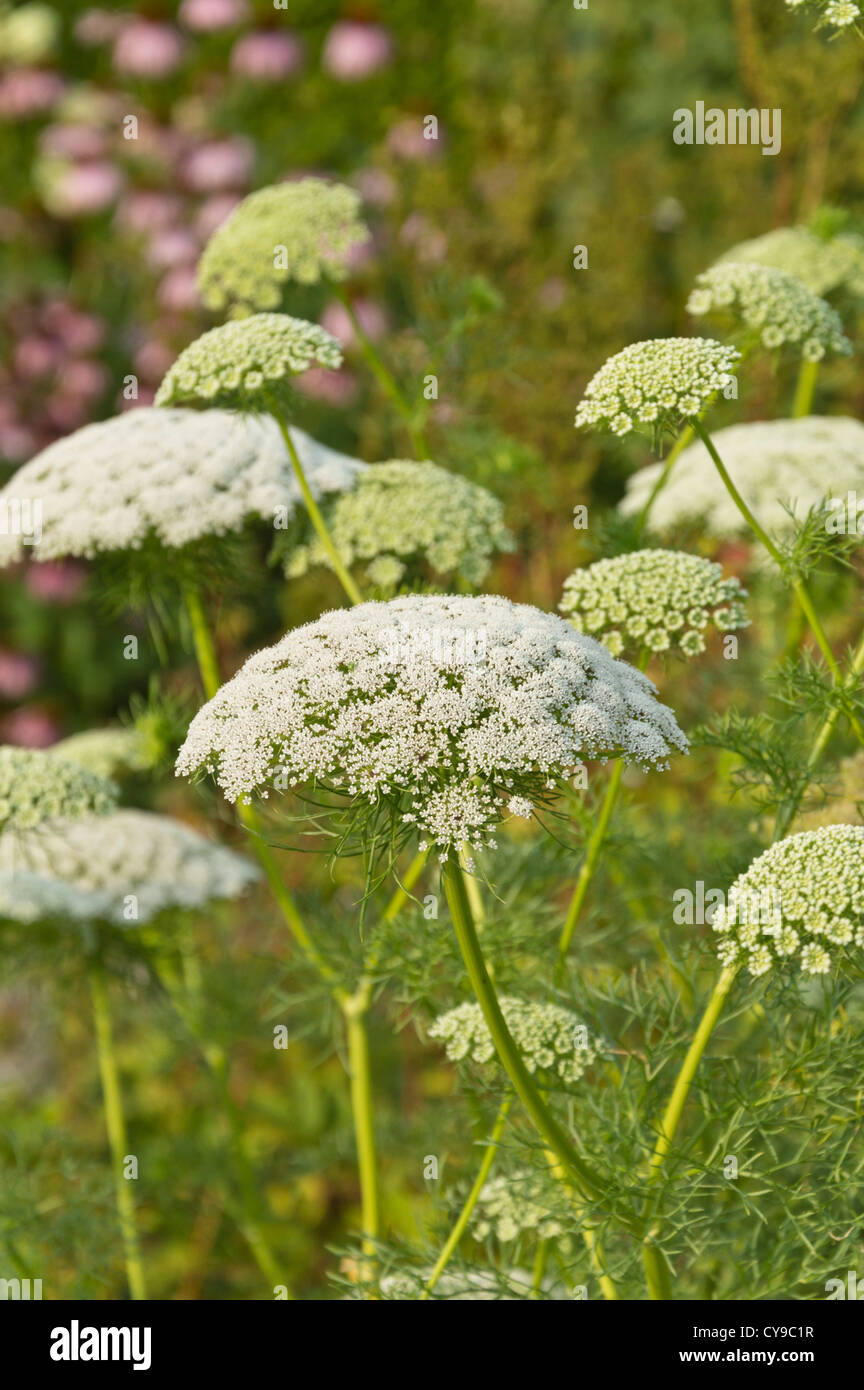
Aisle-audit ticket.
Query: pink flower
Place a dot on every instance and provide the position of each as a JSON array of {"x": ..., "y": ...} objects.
[
  {"x": 407, "y": 140},
  {"x": 36, "y": 356},
  {"x": 372, "y": 319},
  {"x": 353, "y": 51},
  {"x": 144, "y": 210},
  {"x": 267, "y": 56},
  {"x": 83, "y": 378},
  {"x": 213, "y": 212},
  {"x": 220, "y": 164},
  {"x": 206, "y": 16},
  {"x": 17, "y": 442},
  {"x": 18, "y": 674},
  {"x": 79, "y": 332},
  {"x": 82, "y": 189},
  {"x": 55, "y": 581},
  {"x": 147, "y": 49},
  {"x": 73, "y": 141},
  {"x": 152, "y": 360},
  {"x": 27, "y": 91},
  {"x": 376, "y": 186},
  {"x": 337, "y": 388},
  {"x": 172, "y": 246},
  {"x": 178, "y": 291},
  {"x": 98, "y": 26},
  {"x": 429, "y": 242},
  {"x": 30, "y": 727}
]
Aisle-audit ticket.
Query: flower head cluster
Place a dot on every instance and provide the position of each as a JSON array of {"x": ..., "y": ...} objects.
[
  {"x": 551, "y": 1039},
  {"x": 655, "y": 385},
  {"x": 450, "y": 706},
  {"x": 772, "y": 305},
  {"x": 511, "y": 1203},
  {"x": 402, "y": 512},
  {"x": 803, "y": 899},
  {"x": 36, "y": 787},
  {"x": 823, "y": 264},
  {"x": 656, "y": 599},
  {"x": 124, "y": 868},
  {"x": 774, "y": 464},
  {"x": 104, "y": 751},
  {"x": 303, "y": 231},
  {"x": 248, "y": 364},
  {"x": 170, "y": 475},
  {"x": 837, "y": 14}
]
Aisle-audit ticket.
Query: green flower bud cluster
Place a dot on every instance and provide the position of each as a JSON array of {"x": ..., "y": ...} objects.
[{"x": 772, "y": 306}]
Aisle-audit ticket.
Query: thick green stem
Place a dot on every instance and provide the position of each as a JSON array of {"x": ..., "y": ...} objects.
[
  {"x": 674, "y": 453},
  {"x": 115, "y": 1124},
  {"x": 804, "y": 389},
  {"x": 655, "y": 1268},
  {"x": 384, "y": 377},
  {"x": 360, "y": 1072},
  {"x": 589, "y": 863},
  {"x": 471, "y": 1200},
  {"x": 316, "y": 516},
  {"x": 799, "y": 587},
  {"x": 588, "y": 1183},
  {"x": 205, "y": 652}
]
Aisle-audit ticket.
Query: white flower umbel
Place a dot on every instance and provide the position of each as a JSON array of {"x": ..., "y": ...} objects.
[
  {"x": 823, "y": 264},
  {"x": 248, "y": 364},
  {"x": 302, "y": 232},
  {"x": 512, "y": 1203},
  {"x": 123, "y": 868},
  {"x": 800, "y": 902},
  {"x": 833, "y": 14},
  {"x": 656, "y": 385},
  {"x": 660, "y": 600},
  {"x": 770, "y": 306},
  {"x": 403, "y": 513},
  {"x": 773, "y": 463},
  {"x": 552, "y": 1040},
  {"x": 450, "y": 705},
  {"x": 36, "y": 787},
  {"x": 174, "y": 476}
]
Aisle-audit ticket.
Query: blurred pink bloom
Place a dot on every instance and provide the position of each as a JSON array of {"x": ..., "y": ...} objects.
[
  {"x": 220, "y": 164},
  {"x": 82, "y": 189},
  {"x": 147, "y": 49},
  {"x": 429, "y": 242},
  {"x": 213, "y": 212},
  {"x": 27, "y": 91},
  {"x": 372, "y": 318},
  {"x": 146, "y": 396},
  {"x": 337, "y": 388},
  {"x": 353, "y": 51},
  {"x": 206, "y": 16},
  {"x": 83, "y": 377},
  {"x": 144, "y": 210},
  {"x": 552, "y": 293},
  {"x": 17, "y": 441},
  {"x": 267, "y": 56},
  {"x": 98, "y": 26},
  {"x": 73, "y": 141},
  {"x": 55, "y": 581},
  {"x": 407, "y": 140},
  {"x": 172, "y": 246},
  {"x": 64, "y": 412},
  {"x": 36, "y": 356},
  {"x": 153, "y": 359},
  {"x": 18, "y": 674},
  {"x": 79, "y": 332},
  {"x": 30, "y": 727},
  {"x": 178, "y": 290},
  {"x": 376, "y": 186}
]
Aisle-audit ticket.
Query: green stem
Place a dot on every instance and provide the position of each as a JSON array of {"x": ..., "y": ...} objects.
[
  {"x": 804, "y": 389},
  {"x": 384, "y": 377},
  {"x": 406, "y": 883},
  {"x": 541, "y": 1256},
  {"x": 655, "y": 1267},
  {"x": 205, "y": 652},
  {"x": 360, "y": 1072},
  {"x": 115, "y": 1124},
  {"x": 471, "y": 1200},
  {"x": 589, "y": 1184},
  {"x": 316, "y": 517},
  {"x": 589, "y": 1236},
  {"x": 674, "y": 453},
  {"x": 589, "y": 864},
  {"x": 801, "y": 591}
]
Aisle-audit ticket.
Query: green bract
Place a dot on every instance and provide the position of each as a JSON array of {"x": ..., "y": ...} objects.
[
  {"x": 36, "y": 787},
  {"x": 802, "y": 900},
  {"x": 300, "y": 231},
  {"x": 656, "y": 599},
  {"x": 248, "y": 365},
  {"x": 656, "y": 385},
  {"x": 403, "y": 512},
  {"x": 772, "y": 306}
]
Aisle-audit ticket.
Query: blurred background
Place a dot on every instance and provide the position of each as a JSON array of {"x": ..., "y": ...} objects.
[{"x": 127, "y": 134}]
